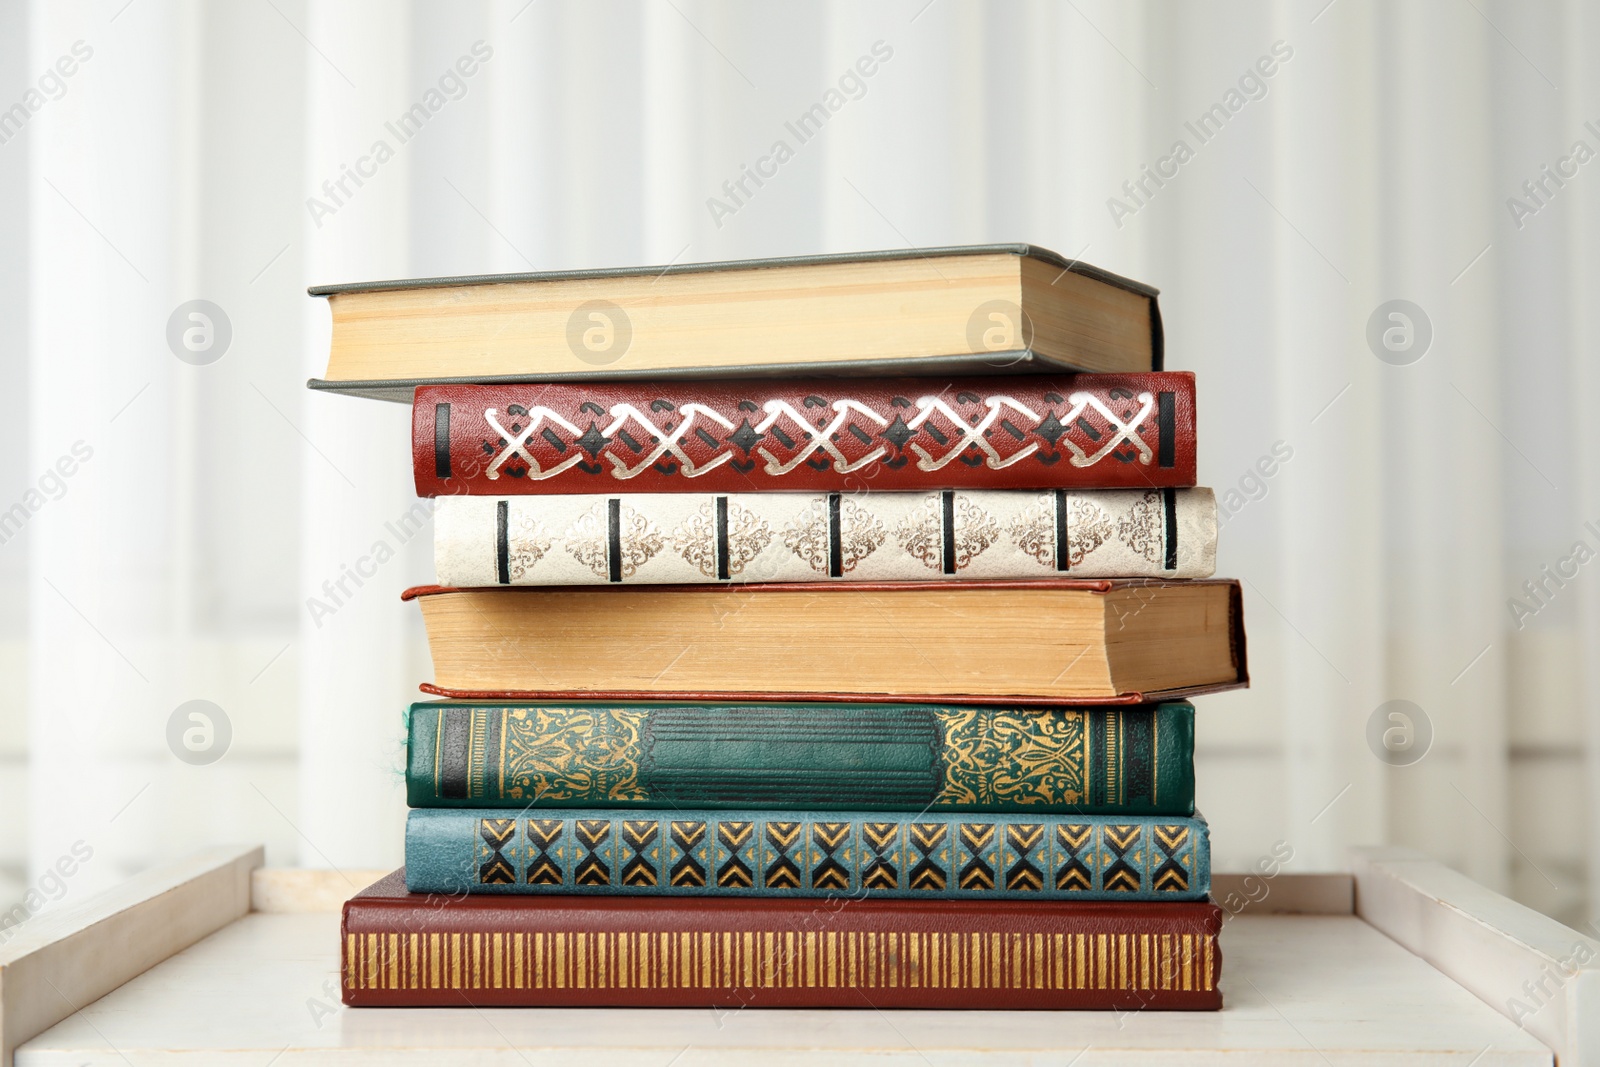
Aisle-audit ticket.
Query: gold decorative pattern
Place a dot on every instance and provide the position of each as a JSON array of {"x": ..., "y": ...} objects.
[
  {"x": 1014, "y": 758},
  {"x": 1034, "y": 530},
  {"x": 1088, "y": 527},
  {"x": 696, "y": 540},
  {"x": 728, "y": 961},
  {"x": 1111, "y": 757},
  {"x": 526, "y": 543},
  {"x": 748, "y": 535},
  {"x": 808, "y": 538},
  {"x": 860, "y": 535},
  {"x": 588, "y": 538},
  {"x": 678, "y": 538},
  {"x": 976, "y": 530},
  {"x": 1140, "y": 529},
  {"x": 573, "y": 753},
  {"x": 921, "y": 534}
]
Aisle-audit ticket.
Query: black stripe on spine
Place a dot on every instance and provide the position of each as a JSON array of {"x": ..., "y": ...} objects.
[
  {"x": 1094, "y": 767},
  {"x": 947, "y": 519},
  {"x": 1138, "y": 757},
  {"x": 1169, "y": 504},
  {"x": 1166, "y": 420},
  {"x": 441, "y": 440},
  {"x": 835, "y": 537},
  {"x": 1158, "y": 338},
  {"x": 502, "y": 549},
  {"x": 722, "y": 538},
  {"x": 1063, "y": 550},
  {"x": 614, "y": 538},
  {"x": 454, "y": 736}
]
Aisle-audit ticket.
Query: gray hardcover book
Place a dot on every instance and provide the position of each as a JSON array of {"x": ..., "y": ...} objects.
[{"x": 975, "y": 309}]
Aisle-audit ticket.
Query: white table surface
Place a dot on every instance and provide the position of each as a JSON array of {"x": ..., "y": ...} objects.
[{"x": 1299, "y": 990}]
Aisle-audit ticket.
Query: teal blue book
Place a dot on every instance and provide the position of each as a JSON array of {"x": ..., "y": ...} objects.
[
  {"x": 707, "y": 853},
  {"x": 814, "y": 757}
]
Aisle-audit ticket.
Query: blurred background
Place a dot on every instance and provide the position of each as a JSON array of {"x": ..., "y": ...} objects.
[{"x": 1377, "y": 248}]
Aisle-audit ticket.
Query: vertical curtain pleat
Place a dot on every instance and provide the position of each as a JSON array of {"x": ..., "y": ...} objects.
[
  {"x": 1383, "y": 515},
  {"x": 356, "y": 676}
]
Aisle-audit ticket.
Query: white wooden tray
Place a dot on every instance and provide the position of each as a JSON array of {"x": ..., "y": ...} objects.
[{"x": 217, "y": 961}]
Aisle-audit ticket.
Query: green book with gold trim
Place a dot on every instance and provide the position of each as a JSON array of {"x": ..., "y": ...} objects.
[{"x": 1135, "y": 760}]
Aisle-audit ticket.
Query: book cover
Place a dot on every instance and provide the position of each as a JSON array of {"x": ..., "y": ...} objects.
[
  {"x": 771, "y": 853},
  {"x": 943, "y": 312},
  {"x": 691, "y": 538},
  {"x": 1052, "y": 641},
  {"x": 422, "y": 950},
  {"x": 891, "y": 757},
  {"x": 1082, "y": 431}
]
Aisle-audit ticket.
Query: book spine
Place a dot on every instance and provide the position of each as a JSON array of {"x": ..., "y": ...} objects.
[
  {"x": 428, "y": 951},
  {"x": 889, "y": 757},
  {"x": 1035, "y": 432},
  {"x": 768, "y": 853},
  {"x": 678, "y": 539}
]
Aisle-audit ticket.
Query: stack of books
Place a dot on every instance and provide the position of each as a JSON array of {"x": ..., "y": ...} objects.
[{"x": 808, "y": 632}]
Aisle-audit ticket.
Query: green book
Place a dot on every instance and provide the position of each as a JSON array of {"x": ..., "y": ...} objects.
[
  {"x": 825, "y": 757},
  {"x": 843, "y": 855}
]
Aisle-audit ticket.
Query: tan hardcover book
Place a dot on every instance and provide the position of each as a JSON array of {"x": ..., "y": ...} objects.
[
  {"x": 1050, "y": 641},
  {"x": 972, "y": 309}
]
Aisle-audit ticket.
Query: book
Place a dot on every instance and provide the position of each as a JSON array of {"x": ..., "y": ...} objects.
[
  {"x": 772, "y": 853},
  {"x": 400, "y": 949},
  {"x": 691, "y": 538},
  {"x": 1083, "y": 431},
  {"x": 942, "y": 311},
  {"x": 1048, "y": 641},
  {"x": 892, "y": 757}
]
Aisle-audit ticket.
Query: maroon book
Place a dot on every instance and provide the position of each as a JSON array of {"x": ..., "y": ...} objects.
[
  {"x": 1065, "y": 431},
  {"x": 427, "y": 950}
]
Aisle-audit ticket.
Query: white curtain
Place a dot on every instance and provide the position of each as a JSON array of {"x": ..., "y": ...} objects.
[{"x": 1384, "y": 514}]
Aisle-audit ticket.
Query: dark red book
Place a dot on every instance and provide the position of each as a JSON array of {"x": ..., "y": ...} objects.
[
  {"x": 1065, "y": 431},
  {"x": 425, "y": 950}
]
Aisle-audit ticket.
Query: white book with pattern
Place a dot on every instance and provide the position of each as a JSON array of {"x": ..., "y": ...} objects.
[{"x": 679, "y": 538}]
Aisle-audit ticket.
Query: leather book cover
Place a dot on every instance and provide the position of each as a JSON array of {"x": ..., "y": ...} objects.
[
  {"x": 1053, "y": 431},
  {"x": 402, "y": 949},
  {"x": 742, "y": 538},
  {"x": 586, "y": 632},
  {"x": 821, "y": 855},
  {"x": 889, "y": 757}
]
